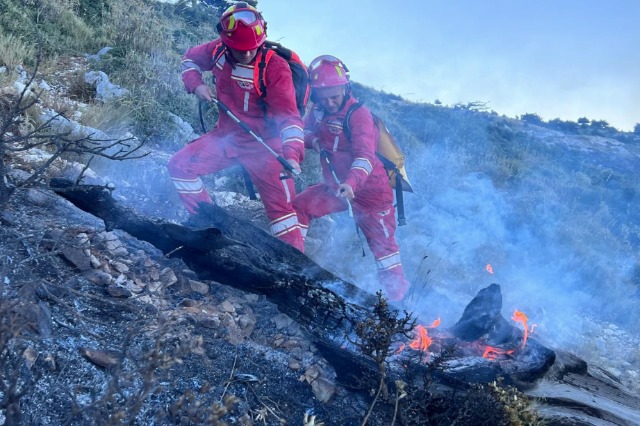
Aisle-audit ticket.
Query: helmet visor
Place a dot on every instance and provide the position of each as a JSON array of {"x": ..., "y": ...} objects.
[
  {"x": 248, "y": 17},
  {"x": 328, "y": 59}
]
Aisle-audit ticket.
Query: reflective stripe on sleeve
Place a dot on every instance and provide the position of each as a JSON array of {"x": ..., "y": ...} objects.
[
  {"x": 362, "y": 164},
  {"x": 189, "y": 65},
  {"x": 293, "y": 133}
]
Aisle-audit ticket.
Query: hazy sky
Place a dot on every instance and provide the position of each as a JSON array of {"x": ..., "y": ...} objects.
[{"x": 560, "y": 59}]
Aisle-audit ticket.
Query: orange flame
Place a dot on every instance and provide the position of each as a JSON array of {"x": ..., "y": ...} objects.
[
  {"x": 518, "y": 316},
  {"x": 422, "y": 340},
  {"x": 491, "y": 353},
  {"x": 489, "y": 268}
]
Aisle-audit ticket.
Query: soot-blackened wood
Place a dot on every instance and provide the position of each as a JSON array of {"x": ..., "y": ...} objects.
[
  {"x": 569, "y": 391},
  {"x": 483, "y": 317},
  {"x": 520, "y": 362},
  {"x": 234, "y": 252}
]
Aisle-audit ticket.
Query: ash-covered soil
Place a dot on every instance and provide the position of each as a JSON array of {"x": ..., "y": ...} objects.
[{"x": 99, "y": 327}]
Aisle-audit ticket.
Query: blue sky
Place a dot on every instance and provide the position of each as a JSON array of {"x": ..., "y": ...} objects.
[{"x": 560, "y": 59}]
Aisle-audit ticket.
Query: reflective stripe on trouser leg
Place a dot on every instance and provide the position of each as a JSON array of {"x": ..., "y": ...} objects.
[
  {"x": 391, "y": 276},
  {"x": 284, "y": 225},
  {"x": 191, "y": 192},
  {"x": 389, "y": 261},
  {"x": 304, "y": 229},
  {"x": 379, "y": 229},
  {"x": 277, "y": 196},
  {"x": 201, "y": 157}
]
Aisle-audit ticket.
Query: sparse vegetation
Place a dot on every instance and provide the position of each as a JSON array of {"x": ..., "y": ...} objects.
[
  {"x": 376, "y": 336},
  {"x": 22, "y": 130}
]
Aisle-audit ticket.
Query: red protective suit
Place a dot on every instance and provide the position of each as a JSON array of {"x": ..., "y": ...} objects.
[
  {"x": 356, "y": 164},
  {"x": 274, "y": 118}
]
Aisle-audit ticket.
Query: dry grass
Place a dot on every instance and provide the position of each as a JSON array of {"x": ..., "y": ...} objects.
[{"x": 14, "y": 51}]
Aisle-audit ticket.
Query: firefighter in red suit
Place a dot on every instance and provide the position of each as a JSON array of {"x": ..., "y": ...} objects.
[
  {"x": 360, "y": 179},
  {"x": 274, "y": 117}
]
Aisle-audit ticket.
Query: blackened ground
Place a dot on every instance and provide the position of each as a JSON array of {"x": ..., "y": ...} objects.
[{"x": 174, "y": 363}]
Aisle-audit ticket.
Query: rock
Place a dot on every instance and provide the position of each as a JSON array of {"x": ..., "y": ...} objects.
[
  {"x": 98, "y": 277},
  {"x": 104, "y": 358},
  {"x": 294, "y": 364},
  {"x": 186, "y": 303},
  {"x": 199, "y": 287},
  {"x": 228, "y": 307},
  {"x": 105, "y": 90},
  {"x": 77, "y": 257},
  {"x": 95, "y": 262},
  {"x": 246, "y": 322},
  {"x": 168, "y": 277},
  {"x": 212, "y": 322},
  {"x": 118, "y": 291},
  {"x": 114, "y": 245},
  {"x": 323, "y": 389},
  {"x": 281, "y": 321},
  {"x": 39, "y": 198},
  {"x": 30, "y": 355},
  {"x": 120, "y": 267}
]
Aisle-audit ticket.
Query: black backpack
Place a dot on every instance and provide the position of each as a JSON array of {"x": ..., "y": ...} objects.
[{"x": 298, "y": 71}]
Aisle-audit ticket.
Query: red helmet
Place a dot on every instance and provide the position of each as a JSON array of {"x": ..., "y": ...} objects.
[
  {"x": 327, "y": 71},
  {"x": 242, "y": 27}
]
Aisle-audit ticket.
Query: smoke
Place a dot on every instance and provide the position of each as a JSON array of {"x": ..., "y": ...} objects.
[{"x": 559, "y": 234}]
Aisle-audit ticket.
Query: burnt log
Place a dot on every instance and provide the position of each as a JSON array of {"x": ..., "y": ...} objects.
[
  {"x": 506, "y": 352},
  {"x": 575, "y": 393},
  {"x": 234, "y": 252}
]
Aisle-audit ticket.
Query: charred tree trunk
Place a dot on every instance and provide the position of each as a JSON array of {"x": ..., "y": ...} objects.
[{"x": 236, "y": 253}]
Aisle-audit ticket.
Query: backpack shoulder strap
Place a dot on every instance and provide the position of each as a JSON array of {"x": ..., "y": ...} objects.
[
  {"x": 219, "y": 51},
  {"x": 259, "y": 72},
  {"x": 346, "y": 127}
]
